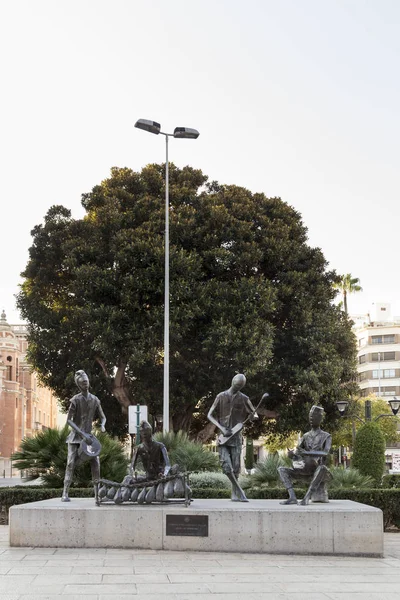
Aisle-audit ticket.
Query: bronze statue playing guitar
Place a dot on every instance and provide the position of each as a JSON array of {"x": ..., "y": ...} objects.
[{"x": 233, "y": 409}]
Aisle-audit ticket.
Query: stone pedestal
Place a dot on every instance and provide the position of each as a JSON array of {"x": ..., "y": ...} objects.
[{"x": 340, "y": 527}]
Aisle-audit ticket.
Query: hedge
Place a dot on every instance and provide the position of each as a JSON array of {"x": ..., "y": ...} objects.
[
  {"x": 10, "y": 496},
  {"x": 369, "y": 451},
  {"x": 391, "y": 480},
  {"x": 387, "y": 499}
]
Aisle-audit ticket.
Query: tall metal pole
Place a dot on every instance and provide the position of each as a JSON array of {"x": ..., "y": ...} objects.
[
  {"x": 379, "y": 374},
  {"x": 166, "y": 298}
]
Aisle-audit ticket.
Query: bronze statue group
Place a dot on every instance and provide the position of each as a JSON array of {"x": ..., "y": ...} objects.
[{"x": 161, "y": 482}]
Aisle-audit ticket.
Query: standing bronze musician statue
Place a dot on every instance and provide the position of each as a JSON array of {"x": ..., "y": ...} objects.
[
  {"x": 233, "y": 410},
  {"x": 82, "y": 445},
  {"x": 309, "y": 462}
]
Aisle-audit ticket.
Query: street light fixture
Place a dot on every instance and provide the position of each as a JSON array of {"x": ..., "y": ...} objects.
[
  {"x": 342, "y": 405},
  {"x": 181, "y": 133},
  {"x": 394, "y": 405}
]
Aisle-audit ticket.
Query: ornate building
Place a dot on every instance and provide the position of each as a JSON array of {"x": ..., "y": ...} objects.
[{"x": 25, "y": 405}]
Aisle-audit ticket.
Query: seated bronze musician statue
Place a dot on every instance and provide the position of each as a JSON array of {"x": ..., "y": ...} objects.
[
  {"x": 153, "y": 455},
  {"x": 160, "y": 482},
  {"x": 309, "y": 462}
]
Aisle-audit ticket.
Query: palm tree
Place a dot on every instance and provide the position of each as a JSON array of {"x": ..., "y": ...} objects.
[{"x": 347, "y": 285}]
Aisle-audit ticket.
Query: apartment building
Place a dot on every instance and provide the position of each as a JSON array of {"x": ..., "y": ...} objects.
[
  {"x": 378, "y": 339},
  {"x": 25, "y": 405}
]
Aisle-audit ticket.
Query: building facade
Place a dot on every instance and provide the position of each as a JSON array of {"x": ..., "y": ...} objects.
[
  {"x": 378, "y": 340},
  {"x": 25, "y": 405}
]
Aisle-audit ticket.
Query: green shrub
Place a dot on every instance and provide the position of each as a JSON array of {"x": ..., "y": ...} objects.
[
  {"x": 369, "y": 451},
  {"x": 189, "y": 455},
  {"x": 391, "y": 481},
  {"x": 206, "y": 493},
  {"x": 172, "y": 440},
  {"x": 45, "y": 456},
  {"x": 209, "y": 480},
  {"x": 265, "y": 473},
  {"x": 349, "y": 479}
]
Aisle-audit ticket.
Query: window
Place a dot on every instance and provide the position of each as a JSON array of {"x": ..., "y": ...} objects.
[
  {"x": 377, "y": 356},
  {"x": 361, "y": 342},
  {"x": 385, "y": 373},
  {"x": 362, "y": 376},
  {"x": 9, "y": 373},
  {"x": 385, "y": 391},
  {"x": 361, "y": 359},
  {"x": 389, "y": 373},
  {"x": 383, "y": 339}
]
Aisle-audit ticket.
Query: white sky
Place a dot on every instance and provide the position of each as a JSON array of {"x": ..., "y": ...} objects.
[{"x": 294, "y": 98}]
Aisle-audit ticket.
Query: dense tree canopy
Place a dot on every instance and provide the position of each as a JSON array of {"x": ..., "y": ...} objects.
[{"x": 248, "y": 294}]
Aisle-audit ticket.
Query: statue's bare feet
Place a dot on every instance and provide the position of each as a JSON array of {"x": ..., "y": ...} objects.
[
  {"x": 240, "y": 498},
  {"x": 289, "y": 501},
  {"x": 304, "y": 502},
  {"x": 65, "y": 499}
]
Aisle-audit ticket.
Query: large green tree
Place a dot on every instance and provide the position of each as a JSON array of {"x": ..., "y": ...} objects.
[{"x": 248, "y": 294}]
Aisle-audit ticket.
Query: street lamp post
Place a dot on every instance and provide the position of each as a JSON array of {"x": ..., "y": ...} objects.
[
  {"x": 182, "y": 133},
  {"x": 379, "y": 374}
]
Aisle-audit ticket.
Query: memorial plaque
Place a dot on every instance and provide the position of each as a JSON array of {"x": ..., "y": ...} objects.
[{"x": 192, "y": 525}]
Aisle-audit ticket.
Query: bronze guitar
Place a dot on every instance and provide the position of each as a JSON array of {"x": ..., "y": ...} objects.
[{"x": 223, "y": 439}]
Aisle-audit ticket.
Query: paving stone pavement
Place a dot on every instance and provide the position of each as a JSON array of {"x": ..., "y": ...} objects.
[{"x": 97, "y": 574}]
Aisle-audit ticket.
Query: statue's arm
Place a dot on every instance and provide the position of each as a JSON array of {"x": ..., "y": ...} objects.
[
  {"x": 249, "y": 406},
  {"x": 298, "y": 452},
  {"x": 102, "y": 416},
  {"x": 327, "y": 447},
  {"x": 213, "y": 419},
  {"x": 251, "y": 410},
  {"x": 134, "y": 461},
  {"x": 71, "y": 410},
  {"x": 167, "y": 464}
]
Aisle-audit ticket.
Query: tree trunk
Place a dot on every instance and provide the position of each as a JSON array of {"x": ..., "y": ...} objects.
[
  {"x": 345, "y": 302},
  {"x": 270, "y": 414},
  {"x": 119, "y": 384},
  {"x": 182, "y": 420},
  {"x": 206, "y": 434}
]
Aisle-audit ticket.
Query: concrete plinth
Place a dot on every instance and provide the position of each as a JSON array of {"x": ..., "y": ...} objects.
[{"x": 340, "y": 527}]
